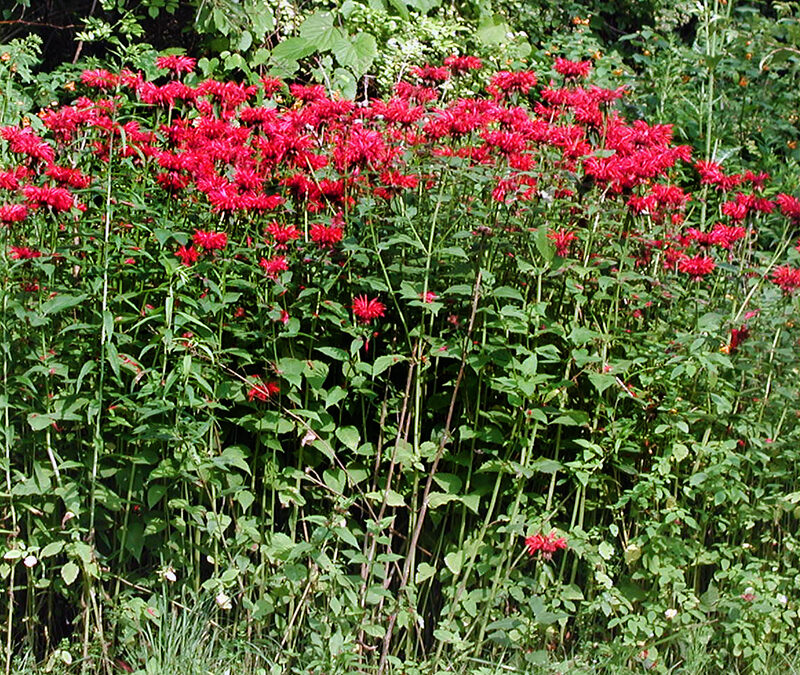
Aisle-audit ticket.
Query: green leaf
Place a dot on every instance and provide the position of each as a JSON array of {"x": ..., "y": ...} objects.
[
  {"x": 545, "y": 247},
  {"x": 493, "y": 30},
  {"x": 62, "y": 302},
  {"x": 424, "y": 572},
  {"x": 344, "y": 82},
  {"x": 349, "y": 437},
  {"x": 293, "y": 49},
  {"x": 69, "y": 573},
  {"x": 291, "y": 370},
  {"x": 400, "y": 7},
  {"x": 334, "y": 352},
  {"x": 601, "y": 381},
  {"x": 454, "y": 560},
  {"x": 605, "y": 550},
  {"x": 318, "y": 29},
  {"x": 357, "y": 53},
  {"x": 449, "y": 482},
  {"x": 53, "y": 548},
  {"x": 383, "y": 362},
  {"x": 437, "y": 499},
  {"x": 546, "y": 465},
  {"x": 38, "y": 422},
  {"x": 154, "y": 494}
]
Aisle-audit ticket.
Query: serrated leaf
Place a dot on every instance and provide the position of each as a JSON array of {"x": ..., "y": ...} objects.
[
  {"x": 437, "y": 499},
  {"x": 38, "y": 422},
  {"x": 318, "y": 28},
  {"x": 424, "y": 572},
  {"x": 293, "y": 49},
  {"x": 356, "y": 53},
  {"x": 349, "y": 437},
  {"x": 53, "y": 548},
  {"x": 601, "y": 381},
  {"x": 61, "y": 302},
  {"x": 69, "y": 573},
  {"x": 605, "y": 550},
  {"x": 383, "y": 362},
  {"x": 493, "y": 30}
]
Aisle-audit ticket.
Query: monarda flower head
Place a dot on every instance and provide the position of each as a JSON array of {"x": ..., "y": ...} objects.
[
  {"x": 367, "y": 309},
  {"x": 326, "y": 236},
  {"x": 697, "y": 267},
  {"x": 572, "y": 68},
  {"x": 274, "y": 266},
  {"x": 787, "y": 278},
  {"x": 177, "y": 64},
  {"x": 210, "y": 241},
  {"x": 545, "y": 544},
  {"x": 187, "y": 255},
  {"x": 13, "y": 213},
  {"x": 261, "y": 390},
  {"x": 562, "y": 240},
  {"x": 24, "y": 253},
  {"x": 790, "y": 206},
  {"x": 462, "y": 64}
]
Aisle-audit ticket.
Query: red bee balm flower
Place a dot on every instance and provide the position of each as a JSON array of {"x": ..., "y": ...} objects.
[
  {"x": 697, "y": 267},
  {"x": 366, "y": 310},
  {"x": 210, "y": 240},
  {"x": 262, "y": 390},
  {"x": 187, "y": 255},
  {"x": 545, "y": 544},
  {"x": 787, "y": 277}
]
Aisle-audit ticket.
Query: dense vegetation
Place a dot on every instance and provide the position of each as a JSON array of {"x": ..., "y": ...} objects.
[{"x": 400, "y": 337}]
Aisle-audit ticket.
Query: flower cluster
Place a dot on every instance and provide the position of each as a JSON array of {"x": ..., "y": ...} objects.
[{"x": 545, "y": 544}]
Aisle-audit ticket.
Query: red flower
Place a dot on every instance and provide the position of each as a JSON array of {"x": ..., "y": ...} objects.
[
  {"x": 99, "y": 79},
  {"x": 187, "y": 255},
  {"x": 787, "y": 277},
  {"x": 738, "y": 335},
  {"x": 210, "y": 240},
  {"x": 177, "y": 64},
  {"x": 24, "y": 253},
  {"x": 506, "y": 81},
  {"x": 274, "y": 265},
  {"x": 461, "y": 64},
  {"x": 562, "y": 239},
  {"x": 367, "y": 309},
  {"x": 697, "y": 267},
  {"x": 545, "y": 544},
  {"x": 262, "y": 390},
  {"x": 326, "y": 236},
  {"x": 572, "y": 68},
  {"x": 282, "y": 234},
  {"x": 790, "y": 206},
  {"x": 13, "y": 213}
]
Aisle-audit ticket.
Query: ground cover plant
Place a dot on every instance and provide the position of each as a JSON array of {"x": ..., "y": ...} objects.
[{"x": 443, "y": 378}]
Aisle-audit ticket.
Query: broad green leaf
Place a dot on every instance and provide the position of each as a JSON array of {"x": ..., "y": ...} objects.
[
  {"x": 356, "y": 53},
  {"x": 293, "y": 49},
  {"x": 69, "y": 573},
  {"x": 383, "y": 362},
  {"x": 493, "y": 30},
  {"x": 62, "y": 302},
  {"x": 318, "y": 29},
  {"x": 454, "y": 560},
  {"x": 349, "y": 436},
  {"x": 53, "y": 548},
  {"x": 605, "y": 550}
]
